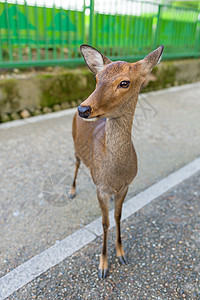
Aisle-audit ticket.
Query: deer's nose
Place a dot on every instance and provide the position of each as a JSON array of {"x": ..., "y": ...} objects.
[{"x": 84, "y": 111}]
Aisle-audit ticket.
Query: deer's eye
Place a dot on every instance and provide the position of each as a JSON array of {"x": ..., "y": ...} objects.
[{"x": 124, "y": 84}]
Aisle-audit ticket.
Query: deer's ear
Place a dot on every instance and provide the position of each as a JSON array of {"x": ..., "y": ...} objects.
[
  {"x": 94, "y": 59},
  {"x": 151, "y": 60}
]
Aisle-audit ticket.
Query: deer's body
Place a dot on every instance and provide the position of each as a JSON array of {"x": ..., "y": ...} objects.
[
  {"x": 105, "y": 146},
  {"x": 111, "y": 158}
]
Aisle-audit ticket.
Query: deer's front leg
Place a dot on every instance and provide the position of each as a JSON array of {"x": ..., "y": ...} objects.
[
  {"x": 72, "y": 192},
  {"x": 104, "y": 204},
  {"x": 119, "y": 199}
]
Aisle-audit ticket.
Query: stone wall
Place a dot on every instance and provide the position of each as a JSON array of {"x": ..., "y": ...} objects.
[{"x": 38, "y": 93}]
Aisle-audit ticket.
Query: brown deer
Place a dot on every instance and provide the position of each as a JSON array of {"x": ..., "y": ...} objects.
[{"x": 105, "y": 146}]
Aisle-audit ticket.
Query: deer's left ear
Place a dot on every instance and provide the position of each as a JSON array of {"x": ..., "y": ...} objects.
[{"x": 151, "y": 60}]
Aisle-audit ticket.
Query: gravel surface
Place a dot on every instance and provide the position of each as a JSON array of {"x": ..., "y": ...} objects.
[
  {"x": 162, "y": 244},
  {"x": 166, "y": 136}
]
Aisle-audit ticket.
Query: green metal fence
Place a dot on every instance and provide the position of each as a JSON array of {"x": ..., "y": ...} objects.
[{"x": 37, "y": 35}]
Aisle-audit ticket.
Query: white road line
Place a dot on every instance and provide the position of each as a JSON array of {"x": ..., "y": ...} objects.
[
  {"x": 40, "y": 263},
  {"x": 43, "y": 261},
  {"x": 70, "y": 111}
]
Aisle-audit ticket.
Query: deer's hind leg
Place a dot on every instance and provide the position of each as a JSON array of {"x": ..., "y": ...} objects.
[
  {"x": 72, "y": 192},
  {"x": 119, "y": 199}
]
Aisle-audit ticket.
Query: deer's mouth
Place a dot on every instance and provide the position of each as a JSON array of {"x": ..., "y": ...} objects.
[{"x": 92, "y": 119}]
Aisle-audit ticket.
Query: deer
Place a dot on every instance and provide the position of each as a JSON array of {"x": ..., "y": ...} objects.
[{"x": 101, "y": 132}]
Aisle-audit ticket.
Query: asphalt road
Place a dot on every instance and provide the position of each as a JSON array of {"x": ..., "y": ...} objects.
[
  {"x": 162, "y": 242},
  {"x": 165, "y": 134}
]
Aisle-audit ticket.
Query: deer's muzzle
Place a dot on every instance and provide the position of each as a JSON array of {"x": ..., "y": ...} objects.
[{"x": 84, "y": 111}]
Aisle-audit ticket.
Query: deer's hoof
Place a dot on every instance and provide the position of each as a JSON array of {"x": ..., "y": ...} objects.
[
  {"x": 123, "y": 260},
  {"x": 71, "y": 196},
  {"x": 103, "y": 273},
  {"x": 72, "y": 193}
]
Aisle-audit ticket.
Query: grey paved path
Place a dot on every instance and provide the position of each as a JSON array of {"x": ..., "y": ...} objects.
[
  {"x": 162, "y": 243},
  {"x": 166, "y": 136}
]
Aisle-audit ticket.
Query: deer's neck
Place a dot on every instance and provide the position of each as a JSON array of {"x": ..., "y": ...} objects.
[{"x": 118, "y": 135}]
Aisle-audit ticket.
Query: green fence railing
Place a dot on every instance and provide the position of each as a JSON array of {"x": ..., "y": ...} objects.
[{"x": 40, "y": 35}]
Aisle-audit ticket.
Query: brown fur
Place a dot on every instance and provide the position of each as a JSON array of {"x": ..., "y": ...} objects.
[{"x": 105, "y": 146}]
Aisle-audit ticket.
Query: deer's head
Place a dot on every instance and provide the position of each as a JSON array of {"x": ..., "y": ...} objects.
[{"x": 117, "y": 83}]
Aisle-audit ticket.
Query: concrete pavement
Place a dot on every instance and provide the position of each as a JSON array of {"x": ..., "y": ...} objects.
[{"x": 166, "y": 136}]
